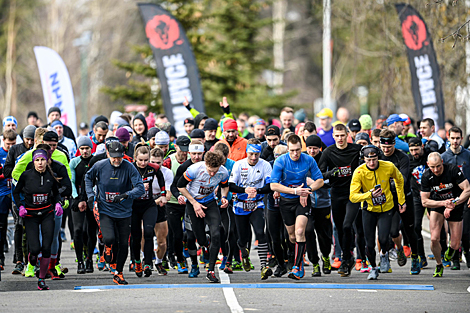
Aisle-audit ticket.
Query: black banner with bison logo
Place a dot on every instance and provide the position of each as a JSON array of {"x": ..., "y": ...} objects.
[
  {"x": 425, "y": 79},
  {"x": 176, "y": 66}
]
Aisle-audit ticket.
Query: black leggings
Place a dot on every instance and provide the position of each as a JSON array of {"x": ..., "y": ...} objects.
[
  {"x": 344, "y": 214},
  {"x": 370, "y": 221},
  {"x": 230, "y": 229},
  {"x": 84, "y": 222},
  {"x": 148, "y": 217},
  {"x": 320, "y": 223},
  {"x": 276, "y": 230},
  {"x": 360, "y": 241},
  {"x": 32, "y": 223},
  {"x": 466, "y": 229},
  {"x": 419, "y": 211},
  {"x": 67, "y": 217},
  {"x": 212, "y": 219},
  {"x": 174, "y": 215},
  {"x": 116, "y": 233},
  {"x": 244, "y": 223},
  {"x": 408, "y": 220}
]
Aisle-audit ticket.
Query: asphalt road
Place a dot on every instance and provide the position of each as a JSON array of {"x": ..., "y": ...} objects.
[{"x": 178, "y": 293}]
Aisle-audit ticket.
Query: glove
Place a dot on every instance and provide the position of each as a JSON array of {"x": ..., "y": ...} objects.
[
  {"x": 120, "y": 198},
  {"x": 66, "y": 204},
  {"x": 335, "y": 172},
  {"x": 23, "y": 211},
  {"x": 58, "y": 209},
  {"x": 90, "y": 202}
]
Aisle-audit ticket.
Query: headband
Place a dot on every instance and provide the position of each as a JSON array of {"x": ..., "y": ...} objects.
[
  {"x": 196, "y": 148},
  {"x": 253, "y": 148},
  {"x": 387, "y": 141},
  {"x": 40, "y": 153}
]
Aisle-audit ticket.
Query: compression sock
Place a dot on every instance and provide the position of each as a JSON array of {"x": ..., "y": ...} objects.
[
  {"x": 450, "y": 252},
  {"x": 43, "y": 267},
  {"x": 299, "y": 252},
  {"x": 193, "y": 256},
  {"x": 33, "y": 259},
  {"x": 263, "y": 253},
  {"x": 53, "y": 261}
]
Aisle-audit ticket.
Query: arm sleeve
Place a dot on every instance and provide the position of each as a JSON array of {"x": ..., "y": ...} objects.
[
  {"x": 400, "y": 183},
  {"x": 138, "y": 190},
  {"x": 265, "y": 190},
  {"x": 18, "y": 189},
  {"x": 355, "y": 194},
  {"x": 235, "y": 188},
  {"x": 182, "y": 183},
  {"x": 161, "y": 180}
]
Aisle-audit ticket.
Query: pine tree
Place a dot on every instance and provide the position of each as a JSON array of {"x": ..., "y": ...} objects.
[{"x": 230, "y": 52}]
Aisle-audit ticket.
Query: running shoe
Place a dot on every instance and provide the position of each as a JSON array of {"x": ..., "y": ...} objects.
[
  {"x": 138, "y": 269},
  {"x": 272, "y": 261},
  {"x": 295, "y": 273},
  {"x": 448, "y": 256},
  {"x": 265, "y": 273},
  {"x": 101, "y": 264},
  {"x": 290, "y": 262},
  {"x": 42, "y": 284},
  {"x": 439, "y": 271},
  {"x": 306, "y": 262},
  {"x": 407, "y": 251},
  {"x": 182, "y": 269},
  {"x": 54, "y": 274},
  {"x": 222, "y": 264},
  {"x": 211, "y": 277},
  {"x": 173, "y": 262},
  {"x": 147, "y": 270},
  {"x": 444, "y": 262},
  {"x": 280, "y": 271},
  {"x": 326, "y": 265},
  {"x": 131, "y": 266},
  {"x": 185, "y": 250},
  {"x": 384, "y": 263},
  {"x": 160, "y": 269},
  {"x": 415, "y": 268},
  {"x": 62, "y": 235},
  {"x": 358, "y": 264},
  {"x": 237, "y": 266},
  {"x": 341, "y": 268},
  {"x": 195, "y": 271},
  {"x": 251, "y": 264},
  {"x": 118, "y": 278},
  {"x": 19, "y": 268},
  {"x": 467, "y": 258},
  {"x": 96, "y": 251},
  {"x": 246, "y": 261},
  {"x": 108, "y": 254},
  {"x": 89, "y": 266},
  {"x": 401, "y": 257},
  {"x": 423, "y": 262},
  {"x": 255, "y": 245},
  {"x": 365, "y": 267},
  {"x": 29, "y": 271},
  {"x": 81, "y": 268},
  {"x": 455, "y": 265},
  {"x": 336, "y": 264},
  {"x": 374, "y": 274},
  {"x": 228, "y": 268},
  {"x": 219, "y": 261},
  {"x": 72, "y": 246},
  {"x": 112, "y": 269},
  {"x": 431, "y": 257},
  {"x": 316, "y": 270},
  {"x": 61, "y": 270},
  {"x": 165, "y": 264},
  {"x": 348, "y": 266},
  {"x": 392, "y": 254}
]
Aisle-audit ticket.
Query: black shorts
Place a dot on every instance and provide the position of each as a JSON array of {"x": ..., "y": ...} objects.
[
  {"x": 456, "y": 215},
  {"x": 291, "y": 208},
  {"x": 161, "y": 217}
]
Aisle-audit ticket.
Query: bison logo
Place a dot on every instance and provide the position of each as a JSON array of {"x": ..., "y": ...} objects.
[
  {"x": 414, "y": 32},
  {"x": 163, "y": 32}
]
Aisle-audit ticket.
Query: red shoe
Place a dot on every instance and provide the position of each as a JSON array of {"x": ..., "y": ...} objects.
[
  {"x": 407, "y": 251},
  {"x": 108, "y": 254},
  {"x": 358, "y": 264},
  {"x": 336, "y": 264},
  {"x": 138, "y": 269}
]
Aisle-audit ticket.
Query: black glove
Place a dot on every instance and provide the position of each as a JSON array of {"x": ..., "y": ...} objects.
[
  {"x": 226, "y": 110},
  {"x": 90, "y": 202},
  {"x": 334, "y": 172},
  {"x": 120, "y": 198}
]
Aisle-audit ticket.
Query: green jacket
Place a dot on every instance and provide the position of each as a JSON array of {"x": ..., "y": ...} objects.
[{"x": 22, "y": 163}]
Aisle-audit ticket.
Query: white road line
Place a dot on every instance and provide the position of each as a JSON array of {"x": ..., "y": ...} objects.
[
  {"x": 367, "y": 290},
  {"x": 468, "y": 289},
  {"x": 229, "y": 294}
]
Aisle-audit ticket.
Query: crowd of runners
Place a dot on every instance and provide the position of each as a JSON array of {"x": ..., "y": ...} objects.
[{"x": 296, "y": 193}]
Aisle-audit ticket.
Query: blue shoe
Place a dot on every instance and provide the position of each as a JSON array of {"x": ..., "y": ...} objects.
[
  {"x": 423, "y": 263},
  {"x": 222, "y": 265},
  {"x": 96, "y": 251},
  {"x": 301, "y": 269},
  {"x": 444, "y": 262},
  {"x": 194, "y": 271},
  {"x": 185, "y": 251},
  {"x": 415, "y": 266},
  {"x": 182, "y": 269},
  {"x": 294, "y": 274}
]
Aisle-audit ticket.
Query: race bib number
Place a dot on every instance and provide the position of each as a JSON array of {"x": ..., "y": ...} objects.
[
  {"x": 344, "y": 171},
  {"x": 40, "y": 198},
  {"x": 9, "y": 183},
  {"x": 110, "y": 196},
  {"x": 379, "y": 200},
  {"x": 145, "y": 196},
  {"x": 250, "y": 205},
  {"x": 206, "y": 190}
]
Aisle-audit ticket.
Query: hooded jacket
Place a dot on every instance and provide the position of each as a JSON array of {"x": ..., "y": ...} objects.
[
  {"x": 198, "y": 119},
  {"x": 144, "y": 134}
]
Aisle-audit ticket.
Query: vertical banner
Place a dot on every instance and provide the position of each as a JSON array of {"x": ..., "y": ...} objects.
[
  {"x": 425, "y": 79},
  {"x": 56, "y": 85},
  {"x": 176, "y": 66}
]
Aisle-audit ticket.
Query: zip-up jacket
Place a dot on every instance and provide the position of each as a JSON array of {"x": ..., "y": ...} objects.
[
  {"x": 462, "y": 160},
  {"x": 28, "y": 157},
  {"x": 237, "y": 148},
  {"x": 12, "y": 155},
  {"x": 364, "y": 180},
  {"x": 112, "y": 181},
  {"x": 148, "y": 174}
]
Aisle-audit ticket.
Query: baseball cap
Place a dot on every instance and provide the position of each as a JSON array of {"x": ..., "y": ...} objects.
[
  {"x": 115, "y": 149},
  {"x": 273, "y": 130},
  {"x": 394, "y": 118},
  {"x": 354, "y": 125},
  {"x": 83, "y": 125},
  {"x": 197, "y": 134},
  {"x": 183, "y": 143},
  {"x": 189, "y": 121},
  {"x": 408, "y": 120},
  {"x": 325, "y": 113}
]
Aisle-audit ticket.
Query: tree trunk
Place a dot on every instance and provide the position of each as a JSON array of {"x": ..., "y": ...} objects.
[
  {"x": 9, "y": 61},
  {"x": 279, "y": 13}
]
